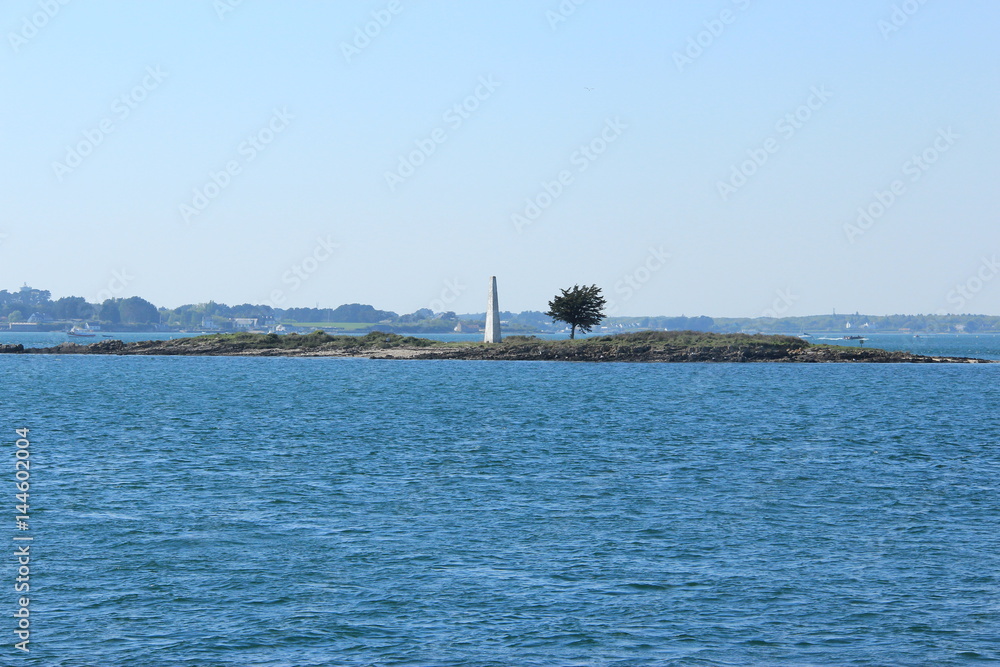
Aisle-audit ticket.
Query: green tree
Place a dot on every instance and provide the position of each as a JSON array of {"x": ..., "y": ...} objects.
[
  {"x": 109, "y": 311},
  {"x": 579, "y": 307},
  {"x": 15, "y": 316},
  {"x": 71, "y": 308},
  {"x": 34, "y": 297},
  {"x": 356, "y": 312},
  {"x": 136, "y": 310}
]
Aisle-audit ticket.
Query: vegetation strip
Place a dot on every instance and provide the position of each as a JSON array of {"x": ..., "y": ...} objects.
[{"x": 645, "y": 346}]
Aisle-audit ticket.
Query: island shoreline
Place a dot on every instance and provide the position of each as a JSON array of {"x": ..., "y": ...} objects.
[{"x": 637, "y": 347}]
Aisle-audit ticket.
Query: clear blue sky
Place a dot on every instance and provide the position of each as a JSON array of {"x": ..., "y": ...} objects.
[{"x": 114, "y": 114}]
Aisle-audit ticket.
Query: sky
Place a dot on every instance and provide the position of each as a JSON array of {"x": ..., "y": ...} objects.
[{"x": 731, "y": 158}]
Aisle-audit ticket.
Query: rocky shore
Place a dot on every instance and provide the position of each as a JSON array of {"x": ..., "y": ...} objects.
[{"x": 679, "y": 346}]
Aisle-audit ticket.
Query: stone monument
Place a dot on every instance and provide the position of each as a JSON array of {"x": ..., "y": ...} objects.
[{"x": 492, "y": 314}]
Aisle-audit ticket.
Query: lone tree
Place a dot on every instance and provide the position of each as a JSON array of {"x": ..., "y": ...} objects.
[{"x": 578, "y": 307}]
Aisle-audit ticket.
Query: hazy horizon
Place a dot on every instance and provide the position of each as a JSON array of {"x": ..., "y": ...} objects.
[
  {"x": 769, "y": 313},
  {"x": 729, "y": 158}
]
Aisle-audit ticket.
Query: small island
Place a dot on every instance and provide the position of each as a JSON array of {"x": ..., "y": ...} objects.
[{"x": 642, "y": 346}]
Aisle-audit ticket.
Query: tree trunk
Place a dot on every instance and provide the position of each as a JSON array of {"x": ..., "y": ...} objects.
[{"x": 572, "y": 331}]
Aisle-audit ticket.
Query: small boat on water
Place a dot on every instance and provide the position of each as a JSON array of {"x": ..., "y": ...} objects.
[{"x": 77, "y": 332}]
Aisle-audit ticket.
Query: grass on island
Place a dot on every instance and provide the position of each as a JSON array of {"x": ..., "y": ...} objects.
[
  {"x": 379, "y": 340},
  {"x": 311, "y": 341},
  {"x": 643, "y": 341}
]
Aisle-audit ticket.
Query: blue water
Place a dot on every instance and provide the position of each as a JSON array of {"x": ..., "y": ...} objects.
[
  {"x": 983, "y": 346},
  {"x": 274, "y": 511},
  {"x": 53, "y": 338}
]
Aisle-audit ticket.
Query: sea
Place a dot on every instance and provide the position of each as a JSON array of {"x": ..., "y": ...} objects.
[{"x": 300, "y": 512}]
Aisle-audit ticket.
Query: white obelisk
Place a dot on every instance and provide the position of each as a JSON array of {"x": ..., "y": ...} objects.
[{"x": 492, "y": 314}]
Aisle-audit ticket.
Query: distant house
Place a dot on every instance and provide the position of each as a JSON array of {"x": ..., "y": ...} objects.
[
  {"x": 209, "y": 323},
  {"x": 245, "y": 322},
  {"x": 38, "y": 318}
]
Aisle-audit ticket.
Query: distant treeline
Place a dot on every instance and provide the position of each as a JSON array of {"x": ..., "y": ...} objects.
[
  {"x": 28, "y": 303},
  {"x": 137, "y": 313},
  {"x": 855, "y": 324}
]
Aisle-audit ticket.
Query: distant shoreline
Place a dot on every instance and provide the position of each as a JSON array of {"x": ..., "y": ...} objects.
[{"x": 645, "y": 347}]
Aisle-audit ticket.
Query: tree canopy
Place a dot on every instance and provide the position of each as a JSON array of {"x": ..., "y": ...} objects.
[
  {"x": 579, "y": 307},
  {"x": 136, "y": 310}
]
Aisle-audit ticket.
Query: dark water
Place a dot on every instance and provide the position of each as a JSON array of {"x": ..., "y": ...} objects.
[{"x": 269, "y": 511}]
